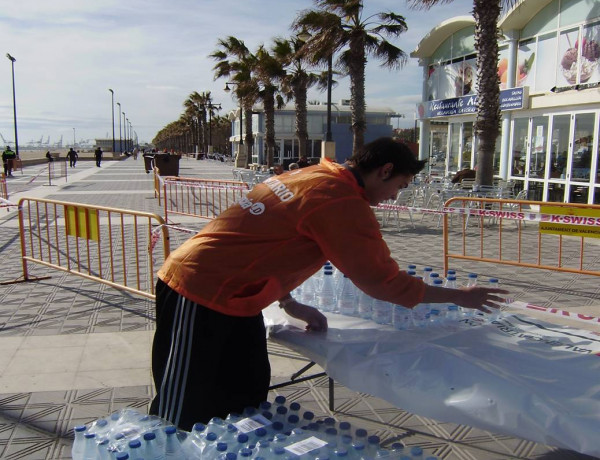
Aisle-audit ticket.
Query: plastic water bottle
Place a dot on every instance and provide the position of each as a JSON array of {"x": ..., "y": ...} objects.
[
  {"x": 135, "y": 449},
  {"x": 216, "y": 425},
  {"x": 373, "y": 445},
  {"x": 173, "y": 450},
  {"x": 152, "y": 451},
  {"x": 382, "y": 311},
  {"x": 347, "y": 301},
  {"x": 326, "y": 294},
  {"x": 213, "y": 450},
  {"x": 471, "y": 280},
  {"x": 365, "y": 305},
  {"x": 440, "y": 307},
  {"x": 426, "y": 273},
  {"x": 230, "y": 434},
  {"x": 432, "y": 277},
  {"x": 122, "y": 456},
  {"x": 397, "y": 450},
  {"x": 495, "y": 314},
  {"x": 402, "y": 317},
  {"x": 420, "y": 314},
  {"x": 416, "y": 453},
  {"x": 91, "y": 447},
  {"x": 102, "y": 451},
  {"x": 78, "y": 442},
  {"x": 361, "y": 435},
  {"x": 411, "y": 267},
  {"x": 262, "y": 449}
]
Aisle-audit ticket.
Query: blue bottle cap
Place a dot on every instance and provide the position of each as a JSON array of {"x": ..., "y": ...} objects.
[
  {"x": 416, "y": 450},
  {"x": 242, "y": 438},
  {"x": 277, "y": 426},
  {"x": 199, "y": 427},
  {"x": 493, "y": 280},
  {"x": 245, "y": 452},
  {"x": 308, "y": 415},
  {"x": 373, "y": 439},
  {"x": 169, "y": 430},
  {"x": 149, "y": 436},
  {"x": 280, "y": 399},
  {"x": 472, "y": 275},
  {"x": 293, "y": 419},
  {"x": 279, "y": 450},
  {"x": 221, "y": 446},
  {"x": 265, "y": 405},
  {"x": 329, "y": 421},
  {"x": 412, "y": 267},
  {"x": 397, "y": 446},
  {"x": 281, "y": 410},
  {"x": 451, "y": 277},
  {"x": 438, "y": 281},
  {"x": 295, "y": 406},
  {"x": 211, "y": 436},
  {"x": 135, "y": 444},
  {"x": 80, "y": 428},
  {"x": 102, "y": 422},
  {"x": 411, "y": 272},
  {"x": 268, "y": 415},
  {"x": 89, "y": 435},
  {"x": 428, "y": 269},
  {"x": 260, "y": 432},
  {"x": 358, "y": 446},
  {"x": 361, "y": 433},
  {"x": 345, "y": 425},
  {"x": 122, "y": 456},
  {"x": 331, "y": 431},
  {"x": 434, "y": 275},
  {"x": 341, "y": 453},
  {"x": 230, "y": 455}
]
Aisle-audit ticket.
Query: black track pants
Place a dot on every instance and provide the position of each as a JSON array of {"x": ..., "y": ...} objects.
[{"x": 205, "y": 364}]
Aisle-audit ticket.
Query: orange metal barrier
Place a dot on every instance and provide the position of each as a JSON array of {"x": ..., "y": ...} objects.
[
  {"x": 203, "y": 198},
  {"x": 109, "y": 245},
  {"x": 3, "y": 188},
  {"x": 534, "y": 234}
]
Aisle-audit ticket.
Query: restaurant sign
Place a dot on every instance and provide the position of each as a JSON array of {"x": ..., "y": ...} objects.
[{"x": 510, "y": 99}]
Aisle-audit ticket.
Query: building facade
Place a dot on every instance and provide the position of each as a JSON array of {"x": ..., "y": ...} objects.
[
  {"x": 379, "y": 123},
  {"x": 549, "y": 68}
]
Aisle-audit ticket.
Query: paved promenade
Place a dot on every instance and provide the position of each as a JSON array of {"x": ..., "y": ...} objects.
[{"x": 72, "y": 350}]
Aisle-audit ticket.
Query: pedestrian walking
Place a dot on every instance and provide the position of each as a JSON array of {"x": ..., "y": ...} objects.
[
  {"x": 8, "y": 157},
  {"x": 72, "y": 156},
  {"x": 98, "y": 156}
]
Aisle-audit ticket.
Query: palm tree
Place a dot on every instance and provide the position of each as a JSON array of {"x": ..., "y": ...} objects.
[
  {"x": 295, "y": 84},
  {"x": 235, "y": 62},
  {"x": 337, "y": 24},
  {"x": 195, "y": 106},
  {"x": 487, "y": 121},
  {"x": 266, "y": 73}
]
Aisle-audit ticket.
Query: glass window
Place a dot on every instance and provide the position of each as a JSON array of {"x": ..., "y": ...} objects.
[
  {"x": 288, "y": 148},
  {"x": 559, "y": 148},
  {"x": 519, "y": 146},
  {"x": 544, "y": 21},
  {"x": 583, "y": 142},
  {"x": 590, "y": 54},
  {"x": 568, "y": 54},
  {"x": 578, "y": 194},
  {"x": 316, "y": 148},
  {"x": 444, "y": 51},
  {"x": 574, "y": 11},
  {"x": 467, "y": 146},
  {"x": 545, "y": 71},
  {"x": 526, "y": 63},
  {"x": 454, "y": 147},
  {"x": 463, "y": 42},
  {"x": 537, "y": 158}
]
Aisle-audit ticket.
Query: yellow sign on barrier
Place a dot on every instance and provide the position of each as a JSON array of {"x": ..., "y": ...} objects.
[
  {"x": 571, "y": 221},
  {"x": 82, "y": 222}
]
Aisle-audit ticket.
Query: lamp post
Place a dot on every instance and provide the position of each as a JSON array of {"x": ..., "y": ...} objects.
[
  {"x": 112, "y": 106},
  {"x": 211, "y": 106},
  {"x": 125, "y": 131},
  {"x": 241, "y": 159},
  {"x": 120, "y": 142},
  {"x": 74, "y": 142},
  {"x": 12, "y": 63}
]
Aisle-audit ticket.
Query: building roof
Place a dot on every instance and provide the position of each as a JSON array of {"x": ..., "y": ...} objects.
[{"x": 439, "y": 33}]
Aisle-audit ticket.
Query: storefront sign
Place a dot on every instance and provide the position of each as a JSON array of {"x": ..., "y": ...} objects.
[{"x": 510, "y": 99}]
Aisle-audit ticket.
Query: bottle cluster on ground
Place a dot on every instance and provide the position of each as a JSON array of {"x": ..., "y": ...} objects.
[
  {"x": 273, "y": 431},
  {"x": 331, "y": 291}
]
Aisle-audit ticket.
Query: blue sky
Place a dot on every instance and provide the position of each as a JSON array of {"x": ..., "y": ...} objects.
[{"x": 153, "y": 54}]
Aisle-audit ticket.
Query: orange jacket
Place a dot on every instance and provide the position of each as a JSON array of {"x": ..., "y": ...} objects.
[{"x": 267, "y": 244}]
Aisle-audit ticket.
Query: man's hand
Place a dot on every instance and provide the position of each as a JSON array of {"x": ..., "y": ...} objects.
[
  {"x": 481, "y": 298},
  {"x": 314, "y": 319}
]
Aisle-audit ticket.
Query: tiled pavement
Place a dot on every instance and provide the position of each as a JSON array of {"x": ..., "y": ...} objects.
[{"x": 72, "y": 350}]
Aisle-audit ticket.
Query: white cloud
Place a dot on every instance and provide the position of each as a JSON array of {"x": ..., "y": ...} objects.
[{"x": 153, "y": 54}]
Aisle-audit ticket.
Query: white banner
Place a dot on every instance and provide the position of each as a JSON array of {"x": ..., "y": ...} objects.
[{"x": 517, "y": 375}]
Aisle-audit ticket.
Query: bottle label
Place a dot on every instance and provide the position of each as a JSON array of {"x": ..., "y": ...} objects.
[
  {"x": 305, "y": 446},
  {"x": 250, "y": 424}
]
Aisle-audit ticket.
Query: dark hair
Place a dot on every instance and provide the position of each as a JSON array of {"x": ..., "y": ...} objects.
[{"x": 387, "y": 150}]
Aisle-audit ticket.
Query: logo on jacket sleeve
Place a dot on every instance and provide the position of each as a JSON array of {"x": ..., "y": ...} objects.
[
  {"x": 280, "y": 190},
  {"x": 254, "y": 208}
]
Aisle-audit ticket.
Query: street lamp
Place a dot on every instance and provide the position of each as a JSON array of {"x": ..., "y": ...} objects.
[
  {"x": 241, "y": 159},
  {"x": 125, "y": 131},
  {"x": 112, "y": 106},
  {"x": 328, "y": 146},
  {"x": 227, "y": 89},
  {"x": 12, "y": 63},
  {"x": 211, "y": 106},
  {"x": 120, "y": 141}
]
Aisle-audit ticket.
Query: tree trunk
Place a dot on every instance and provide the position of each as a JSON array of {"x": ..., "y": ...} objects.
[
  {"x": 487, "y": 123},
  {"x": 248, "y": 137},
  {"x": 357, "y": 91},
  {"x": 269, "y": 106},
  {"x": 300, "y": 96}
]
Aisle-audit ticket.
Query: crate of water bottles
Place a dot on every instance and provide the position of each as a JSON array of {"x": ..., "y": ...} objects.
[
  {"x": 273, "y": 431},
  {"x": 332, "y": 292}
]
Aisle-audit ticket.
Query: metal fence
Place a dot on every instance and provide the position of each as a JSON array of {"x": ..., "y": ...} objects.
[
  {"x": 202, "y": 198},
  {"x": 536, "y": 234},
  {"x": 109, "y": 245}
]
